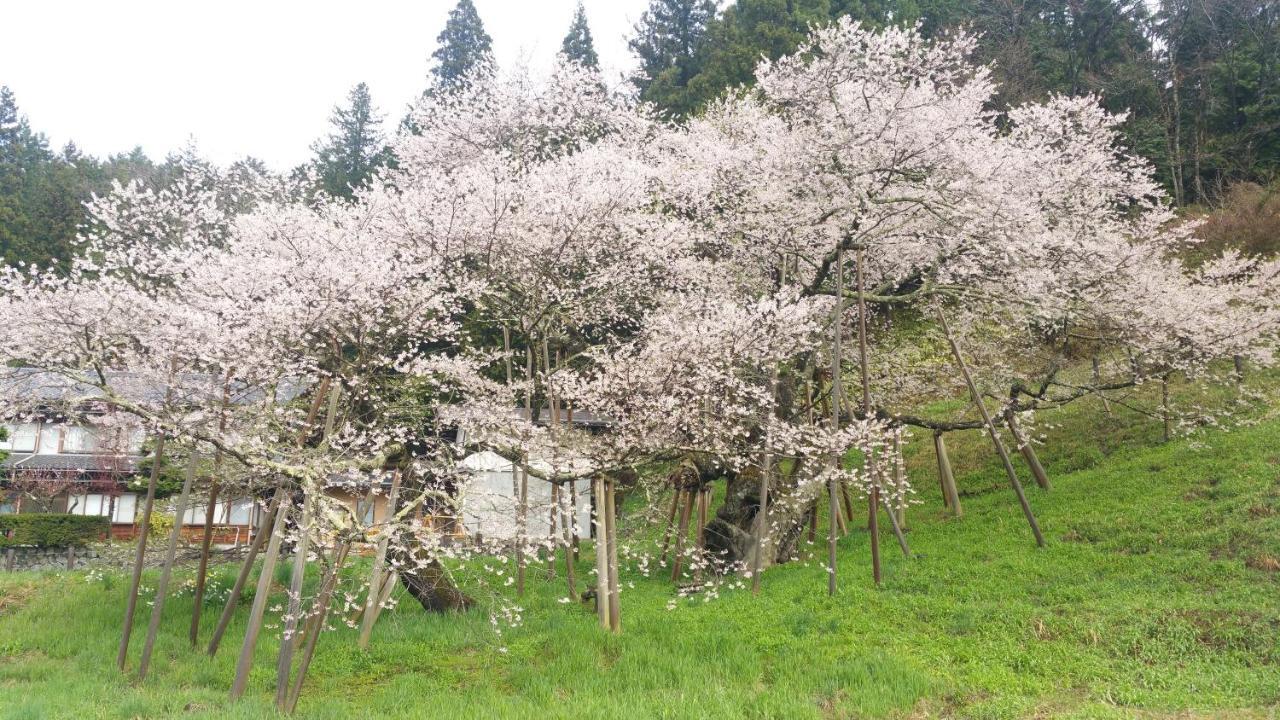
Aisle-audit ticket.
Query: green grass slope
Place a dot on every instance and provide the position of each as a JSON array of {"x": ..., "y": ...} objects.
[{"x": 1158, "y": 596}]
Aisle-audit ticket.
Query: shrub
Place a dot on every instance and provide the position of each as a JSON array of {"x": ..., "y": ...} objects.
[
  {"x": 52, "y": 529},
  {"x": 1248, "y": 220},
  {"x": 161, "y": 525}
]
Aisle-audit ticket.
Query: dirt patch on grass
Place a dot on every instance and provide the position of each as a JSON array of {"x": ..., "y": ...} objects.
[
  {"x": 1263, "y": 561},
  {"x": 14, "y": 597}
]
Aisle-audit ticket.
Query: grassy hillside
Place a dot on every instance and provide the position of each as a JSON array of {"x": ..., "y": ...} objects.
[{"x": 1157, "y": 596}]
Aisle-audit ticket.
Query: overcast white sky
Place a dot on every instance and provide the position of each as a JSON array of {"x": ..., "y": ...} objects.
[{"x": 253, "y": 78}]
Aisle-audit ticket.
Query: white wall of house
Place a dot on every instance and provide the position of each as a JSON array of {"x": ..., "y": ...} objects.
[{"x": 490, "y": 500}]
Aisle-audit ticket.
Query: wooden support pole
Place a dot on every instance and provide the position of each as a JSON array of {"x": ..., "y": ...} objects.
[
  {"x": 611, "y": 523},
  {"x": 140, "y": 555},
  {"x": 554, "y": 535},
  {"x": 1027, "y": 449},
  {"x": 162, "y": 589},
  {"x": 762, "y": 519},
  {"x": 951, "y": 496},
  {"x": 1164, "y": 407},
  {"x": 873, "y": 529},
  {"x": 566, "y": 524},
  {"x": 265, "y": 577},
  {"x": 873, "y": 499},
  {"x": 847, "y": 499},
  {"x": 315, "y": 624},
  {"x": 289, "y": 638},
  {"x": 1097, "y": 380},
  {"x": 991, "y": 429},
  {"x": 259, "y": 539},
  {"x": 602, "y": 552},
  {"x": 522, "y": 531},
  {"x": 671, "y": 523},
  {"x": 379, "y": 561},
  {"x": 700, "y": 545},
  {"x": 686, "y": 508},
  {"x": 899, "y": 481},
  {"x": 834, "y": 486},
  {"x": 206, "y": 538}
]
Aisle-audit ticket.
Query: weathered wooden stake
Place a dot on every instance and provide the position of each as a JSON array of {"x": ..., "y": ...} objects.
[
  {"x": 1027, "y": 449},
  {"x": 611, "y": 523},
  {"x": 254, "y": 626},
  {"x": 950, "y": 494},
  {"x": 686, "y": 509},
  {"x": 835, "y": 528},
  {"x": 259, "y": 539},
  {"x": 991, "y": 429},
  {"x": 671, "y": 523},
  {"x": 162, "y": 589},
  {"x": 602, "y": 552},
  {"x": 873, "y": 499},
  {"x": 139, "y": 557},
  {"x": 379, "y": 560},
  {"x": 1097, "y": 380},
  {"x": 289, "y": 639},
  {"x": 1164, "y": 407},
  {"x": 899, "y": 481},
  {"x": 566, "y": 523},
  {"x": 206, "y": 539},
  {"x": 873, "y": 529},
  {"x": 315, "y": 624}
]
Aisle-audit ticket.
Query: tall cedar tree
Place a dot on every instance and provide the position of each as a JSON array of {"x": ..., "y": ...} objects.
[
  {"x": 461, "y": 46},
  {"x": 578, "y": 44},
  {"x": 668, "y": 38},
  {"x": 354, "y": 149}
]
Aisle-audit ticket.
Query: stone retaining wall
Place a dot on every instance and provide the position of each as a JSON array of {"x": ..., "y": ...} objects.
[{"x": 34, "y": 558}]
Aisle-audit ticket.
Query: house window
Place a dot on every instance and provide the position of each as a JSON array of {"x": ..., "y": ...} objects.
[
  {"x": 21, "y": 438},
  {"x": 79, "y": 440},
  {"x": 126, "y": 508},
  {"x": 50, "y": 434},
  {"x": 241, "y": 512},
  {"x": 100, "y": 505}
]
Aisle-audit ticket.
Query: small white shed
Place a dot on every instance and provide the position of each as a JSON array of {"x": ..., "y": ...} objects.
[{"x": 490, "y": 500}]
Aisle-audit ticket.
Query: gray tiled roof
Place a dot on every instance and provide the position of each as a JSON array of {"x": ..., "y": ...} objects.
[
  {"x": 44, "y": 387},
  {"x": 64, "y": 462}
]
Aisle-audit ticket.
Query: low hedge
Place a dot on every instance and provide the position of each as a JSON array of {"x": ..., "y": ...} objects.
[{"x": 52, "y": 529}]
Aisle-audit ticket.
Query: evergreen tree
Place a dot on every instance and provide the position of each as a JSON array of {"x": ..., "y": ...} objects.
[
  {"x": 41, "y": 193},
  {"x": 354, "y": 148},
  {"x": 462, "y": 46},
  {"x": 578, "y": 44},
  {"x": 668, "y": 38}
]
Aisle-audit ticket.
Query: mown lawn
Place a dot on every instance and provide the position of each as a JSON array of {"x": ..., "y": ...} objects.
[{"x": 1158, "y": 596}]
